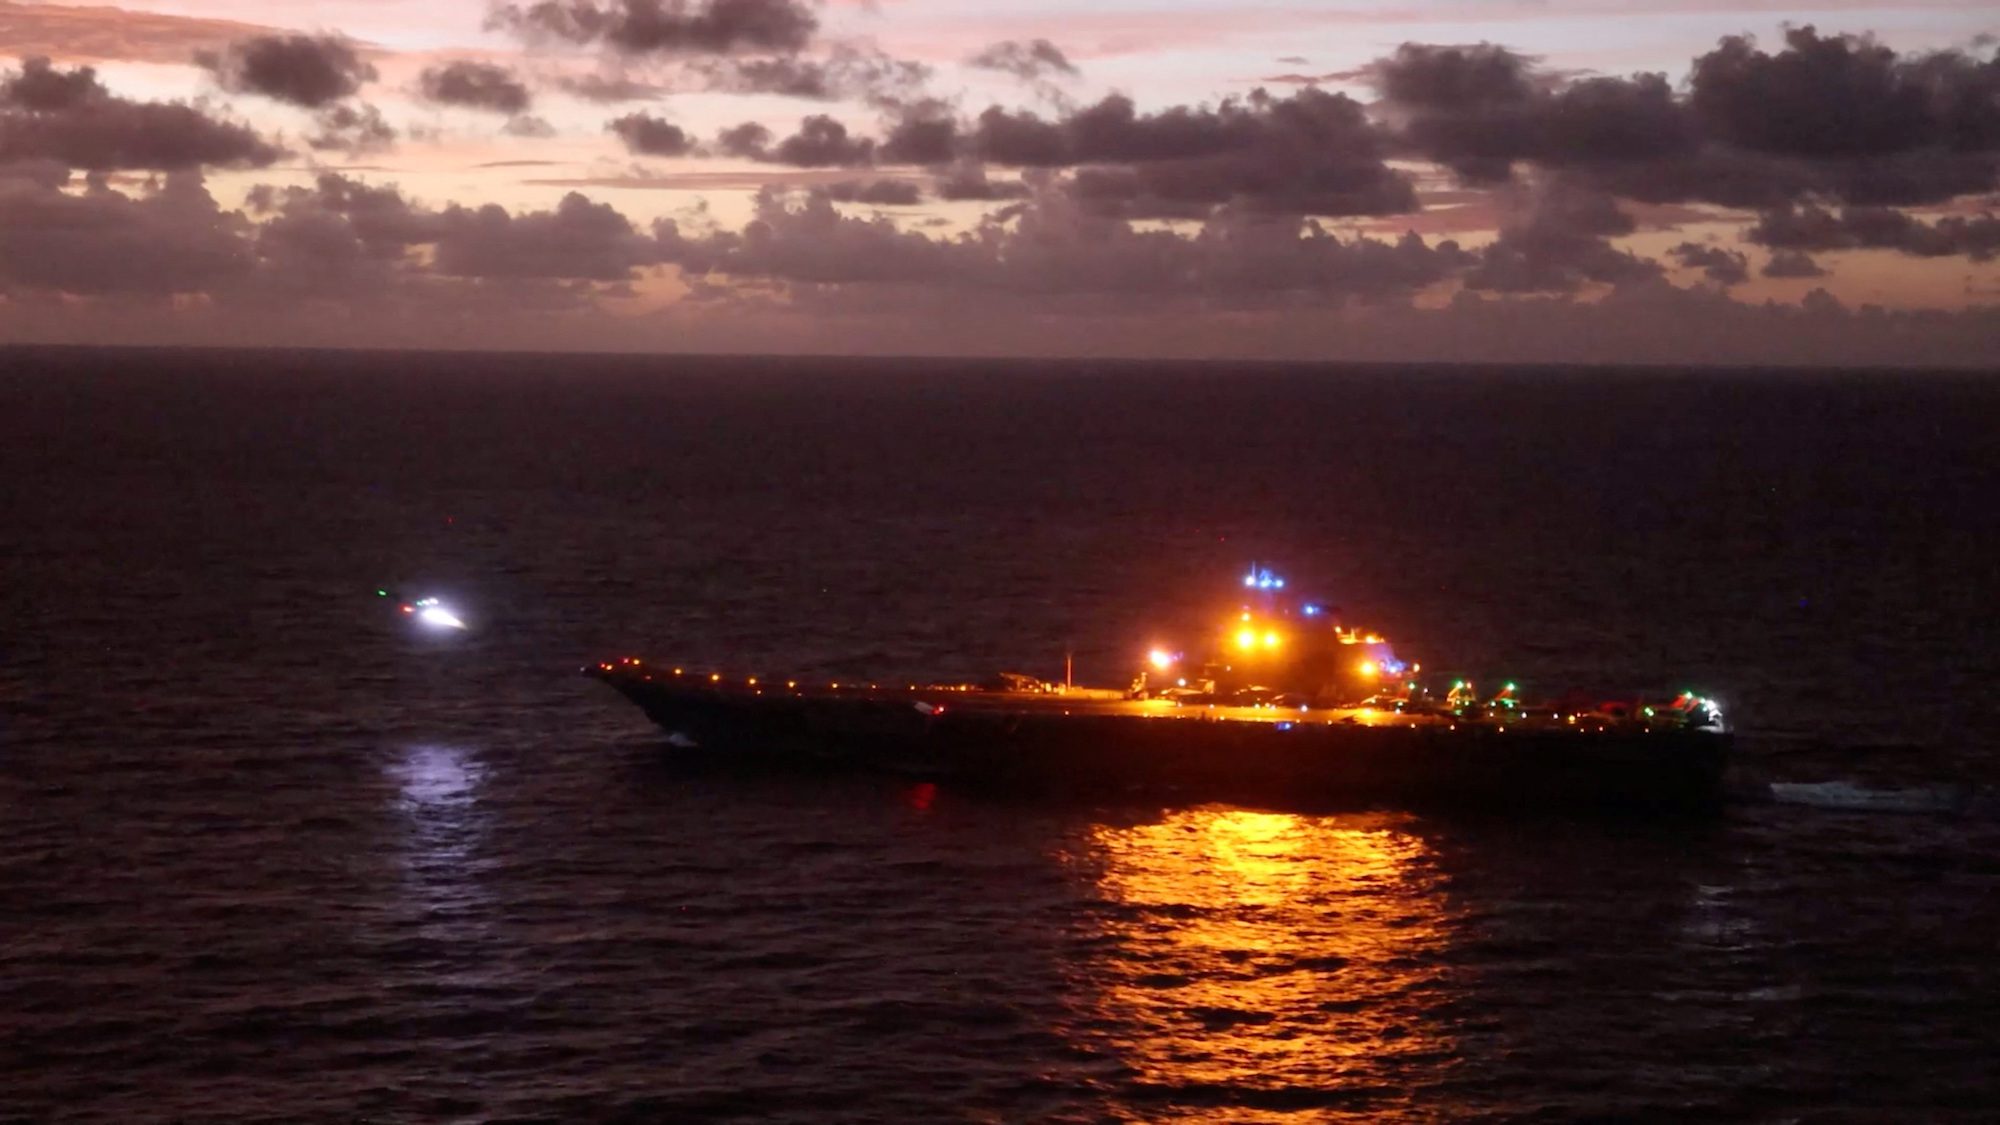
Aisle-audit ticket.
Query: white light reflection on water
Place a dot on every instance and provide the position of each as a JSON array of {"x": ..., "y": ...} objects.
[
  {"x": 436, "y": 778},
  {"x": 1268, "y": 962},
  {"x": 438, "y": 790}
]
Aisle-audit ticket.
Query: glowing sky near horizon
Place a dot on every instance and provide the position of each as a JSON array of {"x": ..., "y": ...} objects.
[{"x": 1160, "y": 53}]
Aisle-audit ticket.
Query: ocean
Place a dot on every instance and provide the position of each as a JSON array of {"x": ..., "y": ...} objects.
[{"x": 268, "y": 853}]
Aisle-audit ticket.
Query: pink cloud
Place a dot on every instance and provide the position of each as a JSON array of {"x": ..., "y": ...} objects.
[
  {"x": 744, "y": 180},
  {"x": 951, "y": 34},
  {"x": 101, "y": 33}
]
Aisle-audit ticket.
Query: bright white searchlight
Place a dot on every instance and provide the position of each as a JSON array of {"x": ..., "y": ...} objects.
[{"x": 433, "y": 613}]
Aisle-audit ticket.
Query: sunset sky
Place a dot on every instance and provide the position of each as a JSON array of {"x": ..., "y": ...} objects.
[{"x": 1673, "y": 181}]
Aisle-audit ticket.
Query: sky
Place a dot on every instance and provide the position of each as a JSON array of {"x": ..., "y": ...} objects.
[{"x": 1591, "y": 181}]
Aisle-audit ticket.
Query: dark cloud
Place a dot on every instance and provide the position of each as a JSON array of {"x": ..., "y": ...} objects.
[
  {"x": 1712, "y": 175},
  {"x": 607, "y": 89},
  {"x": 353, "y": 129},
  {"x": 968, "y": 181},
  {"x": 749, "y": 140},
  {"x": 1033, "y": 60},
  {"x": 1792, "y": 263},
  {"x": 40, "y": 88},
  {"x": 844, "y": 72},
  {"x": 1613, "y": 119},
  {"x": 1722, "y": 266},
  {"x": 821, "y": 142},
  {"x": 1838, "y": 117},
  {"x": 665, "y": 26},
  {"x": 1048, "y": 247},
  {"x": 1810, "y": 228},
  {"x": 1478, "y": 110},
  {"x": 1878, "y": 228},
  {"x": 1020, "y": 139},
  {"x": 1820, "y": 303},
  {"x": 882, "y": 193},
  {"x": 1737, "y": 178},
  {"x": 46, "y": 114},
  {"x": 578, "y": 240},
  {"x": 1246, "y": 174},
  {"x": 1051, "y": 273},
  {"x": 651, "y": 136},
  {"x": 1563, "y": 245},
  {"x": 1250, "y": 259},
  {"x": 926, "y": 136},
  {"x": 380, "y": 220},
  {"x": 304, "y": 70},
  {"x": 344, "y": 239},
  {"x": 1820, "y": 97},
  {"x": 345, "y": 247},
  {"x": 476, "y": 85},
  {"x": 1308, "y": 153},
  {"x": 1861, "y": 123},
  {"x": 40, "y": 173},
  {"x": 1453, "y": 79},
  {"x": 99, "y": 242},
  {"x": 1965, "y": 94},
  {"x": 311, "y": 245},
  {"x": 1114, "y": 131},
  {"x": 1907, "y": 179},
  {"x": 814, "y": 243}
]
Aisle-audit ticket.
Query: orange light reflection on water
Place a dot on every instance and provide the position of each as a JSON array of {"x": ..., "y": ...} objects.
[{"x": 1269, "y": 963}]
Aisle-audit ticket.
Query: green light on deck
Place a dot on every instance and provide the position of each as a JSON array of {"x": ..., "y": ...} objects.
[{"x": 381, "y": 593}]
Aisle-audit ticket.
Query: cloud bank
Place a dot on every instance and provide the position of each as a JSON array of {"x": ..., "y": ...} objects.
[
  {"x": 1809, "y": 155},
  {"x": 638, "y": 27},
  {"x": 68, "y": 117}
]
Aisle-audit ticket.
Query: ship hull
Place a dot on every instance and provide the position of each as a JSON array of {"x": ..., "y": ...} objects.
[{"x": 998, "y": 741}]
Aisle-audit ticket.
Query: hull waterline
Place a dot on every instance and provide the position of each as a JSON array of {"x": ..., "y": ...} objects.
[{"x": 1022, "y": 742}]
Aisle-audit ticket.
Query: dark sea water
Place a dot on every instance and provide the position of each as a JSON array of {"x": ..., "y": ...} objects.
[{"x": 267, "y": 854}]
